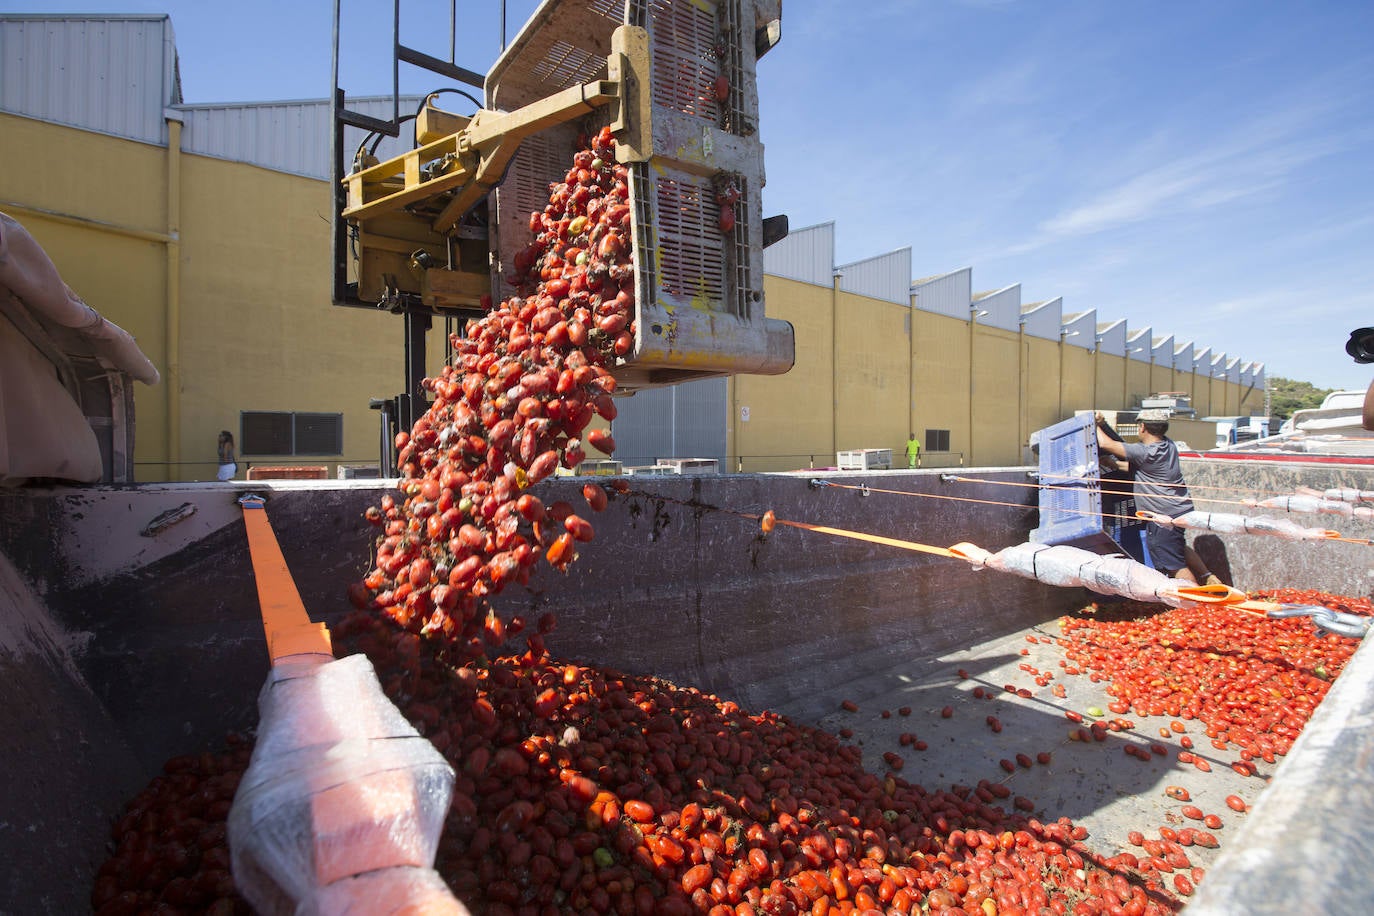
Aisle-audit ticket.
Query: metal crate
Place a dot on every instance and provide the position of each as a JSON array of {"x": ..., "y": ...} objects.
[
  {"x": 699, "y": 291},
  {"x": 599, "y": 468},
  {"x": 690, "y": 465},
  {"x": 864, "y": 459},
  {"x": 652, "y": 470}
]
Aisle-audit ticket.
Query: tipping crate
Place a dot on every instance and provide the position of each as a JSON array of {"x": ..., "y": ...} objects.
[{"x": 686, "y": 124}]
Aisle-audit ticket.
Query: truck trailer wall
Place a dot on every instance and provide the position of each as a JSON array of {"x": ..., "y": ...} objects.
[
  {"x": 1254, "y": 562},
  {"x": 165, "y": 628},
  {"x": 121, "y": 650}
]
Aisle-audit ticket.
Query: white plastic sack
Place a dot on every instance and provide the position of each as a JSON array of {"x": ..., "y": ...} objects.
[
  {"x": 1229, "y": 523},
  {"x": 340, "y": 784},
  {"x": 1347, "y": 494},
  {"x": 1308, "y": 504},
  {"x": 384, "y": 893},
  {"x": 1127, "y": 578},
  {"x": 1067, "y": 566},
  {"x": 1054, "y": 565}
]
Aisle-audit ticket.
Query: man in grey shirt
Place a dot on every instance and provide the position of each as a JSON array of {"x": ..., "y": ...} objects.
[{"x": 1159, "y": 487}]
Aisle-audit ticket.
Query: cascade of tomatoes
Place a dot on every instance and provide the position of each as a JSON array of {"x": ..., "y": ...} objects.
[{"x": 525, "y": 382}]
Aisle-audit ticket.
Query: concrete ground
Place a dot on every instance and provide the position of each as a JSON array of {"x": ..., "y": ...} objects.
[{"x": 1096, "y": 784}]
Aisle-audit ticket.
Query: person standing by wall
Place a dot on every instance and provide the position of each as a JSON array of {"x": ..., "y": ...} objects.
[
  {"x": 227, "y": 465},
  {"x": 913, "y": 451},
  {"x": 1159, "y": 487}
]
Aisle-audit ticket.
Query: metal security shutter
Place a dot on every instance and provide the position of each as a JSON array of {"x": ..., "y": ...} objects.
[
  {"x": 682, "y": 421},
  {"x": 319, "y": 433},
  {"x": 264, "y": 433}
]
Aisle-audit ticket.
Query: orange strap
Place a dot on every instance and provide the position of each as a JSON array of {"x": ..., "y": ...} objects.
[
  {"x": 285, "y": 623},
  {"x": 872, "y": 538}
]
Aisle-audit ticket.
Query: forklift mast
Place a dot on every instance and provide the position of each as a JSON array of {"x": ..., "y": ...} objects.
[{"x": 434, "y": 231}]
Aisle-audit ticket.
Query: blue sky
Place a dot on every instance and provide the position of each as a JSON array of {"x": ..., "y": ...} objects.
[{"x": 1204, "y": 169}]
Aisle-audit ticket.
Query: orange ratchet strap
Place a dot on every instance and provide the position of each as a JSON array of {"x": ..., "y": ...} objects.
[{"x": 285, "y": 623}]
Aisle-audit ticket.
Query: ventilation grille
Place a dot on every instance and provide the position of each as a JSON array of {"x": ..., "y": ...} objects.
[
  {"x": 542, "y": 159},
  {"x": 564, "y": 65},
  {"x": 692, "y": 252},
  {"x": 739, "y": 264},
  {"x": 683, "y": 39},
  {"x": 731, "y": 115}
]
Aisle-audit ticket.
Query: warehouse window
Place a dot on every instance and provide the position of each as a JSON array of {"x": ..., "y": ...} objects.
[
  {"x": 937, "y": 440},
  {"x": 281, "y": 433}
]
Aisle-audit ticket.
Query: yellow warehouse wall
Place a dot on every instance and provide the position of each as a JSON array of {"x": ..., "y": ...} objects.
[
  {"x": 791, "y": 417},
  {"x": 993, "y": 416},
  {"x": 116, "y": 192},
  {"x": 874, "y": 362},
  {"x": 1040, "y": 377},
  {"x": 1077, "y": 381},
  {"x": 258, "y": 330},
  {"x": 240, "y": 255},
  {"x": 940, "y": 383}
]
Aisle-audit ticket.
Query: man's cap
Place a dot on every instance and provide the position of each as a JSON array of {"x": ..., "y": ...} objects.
[{"x": 1153, "y": 415}]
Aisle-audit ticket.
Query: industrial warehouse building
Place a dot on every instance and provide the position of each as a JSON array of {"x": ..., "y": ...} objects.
[{"x": 204, "y": 231}]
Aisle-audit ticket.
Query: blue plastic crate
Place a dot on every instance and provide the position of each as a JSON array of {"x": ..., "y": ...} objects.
[{"x": 1073, "y": 507}]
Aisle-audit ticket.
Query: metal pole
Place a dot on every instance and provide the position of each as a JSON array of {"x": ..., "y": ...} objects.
[{"x": 396, "y": 62}]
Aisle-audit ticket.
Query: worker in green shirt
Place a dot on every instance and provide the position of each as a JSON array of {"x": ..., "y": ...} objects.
[{"x": 913, "y": 451}]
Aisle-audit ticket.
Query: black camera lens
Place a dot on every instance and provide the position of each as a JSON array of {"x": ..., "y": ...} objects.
[{"x": 1360, "y": 346}]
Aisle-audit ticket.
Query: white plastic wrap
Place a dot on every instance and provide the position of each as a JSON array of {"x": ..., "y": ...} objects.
[
  {"x": 1127, "y": 578},
  {"x": 1309, "y": 504},
  {"x": 1067, "y": 566},
  {"x": 384, "y": 893},
  {"x": 1054, "y": 565},
  {"x": 1349, "y": 495},
  {"x": 339, "y": 784},
  {"x": 1228, "y": 523}
]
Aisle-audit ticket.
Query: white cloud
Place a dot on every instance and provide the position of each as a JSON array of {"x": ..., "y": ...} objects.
[{"x": 1253, "y": 163}]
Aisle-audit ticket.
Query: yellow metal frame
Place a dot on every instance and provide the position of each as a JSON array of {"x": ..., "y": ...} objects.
[{"x": 478, "y": 152}]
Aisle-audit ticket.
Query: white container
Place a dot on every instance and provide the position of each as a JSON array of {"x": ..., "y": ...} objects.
[
  {"x": 605, "y": 467},
  {"x": 691, "y": 465},
  {"x": 864, "y": 459}
]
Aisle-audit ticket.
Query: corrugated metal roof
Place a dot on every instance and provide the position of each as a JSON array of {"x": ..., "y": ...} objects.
[
  {"x": 290, "y": 136},
  {"x": 1080, "y": 329},
  {"x": 945, "y": 294},
  {"x": 1003, "y": 307},
  {"x": 806, "y": 254},
  {"x": 679, "y": 421},
  {"x": 886, "y": 277},
  {"x": 1043, "y": 318},
  {"x": 110, "y": 74},
  {"x": 1111, "y": 337}
]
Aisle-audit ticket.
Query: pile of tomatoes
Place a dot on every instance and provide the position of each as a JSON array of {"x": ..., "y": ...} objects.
[
  {"x": 586, "y": 790},
  {"x": 169, "y": 849},
  {"x": 525, "y": 383},
  {"x": 1252, "y": 681}
]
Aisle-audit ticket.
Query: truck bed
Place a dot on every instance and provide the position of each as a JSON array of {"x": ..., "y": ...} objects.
[{"x": 151, "y": 647}]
